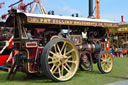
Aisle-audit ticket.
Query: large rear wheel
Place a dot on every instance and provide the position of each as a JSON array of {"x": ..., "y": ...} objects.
[
  {"x": 105, "y": 62},
  {"x": 60, "y": 60}
]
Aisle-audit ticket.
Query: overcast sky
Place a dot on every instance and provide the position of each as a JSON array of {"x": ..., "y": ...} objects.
[{"x": 109, "y": 9}]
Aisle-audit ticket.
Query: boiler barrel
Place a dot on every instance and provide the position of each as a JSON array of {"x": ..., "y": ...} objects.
[{"x": 92, "y": 47}]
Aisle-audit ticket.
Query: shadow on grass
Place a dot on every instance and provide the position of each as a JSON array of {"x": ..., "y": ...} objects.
[
  {"x": 44, "y": 79},
  {"x": 34, "y": 79},
  {"x": 93, "y": 72},
  {"x": 89, "y": 72},
  {"x": 38, "y": 79},
  {"x": 120, "y": 77}
]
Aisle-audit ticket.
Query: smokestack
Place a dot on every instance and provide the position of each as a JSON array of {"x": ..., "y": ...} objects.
[
  {"x": 90, "y": 9},
  {"x": 122, "y": 18},
  {"x": 97, "y": 9}
]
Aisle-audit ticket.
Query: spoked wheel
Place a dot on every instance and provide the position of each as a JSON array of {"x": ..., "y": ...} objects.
[
  {"x": 60, "y": 60},
  {"x": 85, "y": 63},
  {"x": 105, "y": 62}
]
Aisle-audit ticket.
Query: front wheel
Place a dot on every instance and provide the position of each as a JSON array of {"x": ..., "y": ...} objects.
[
  {"x": 105, "y": 62},
  {"x": 60, "y": 60}
]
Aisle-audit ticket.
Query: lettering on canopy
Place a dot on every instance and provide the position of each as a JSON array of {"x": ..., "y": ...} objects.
[{"x": 69, "y": 22}]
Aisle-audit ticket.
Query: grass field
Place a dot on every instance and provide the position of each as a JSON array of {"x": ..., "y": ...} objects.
[{"x": 119, "y": 72}]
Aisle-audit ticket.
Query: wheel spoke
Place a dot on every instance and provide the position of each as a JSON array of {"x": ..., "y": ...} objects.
[
  {"x": 108, "y": 59},
  {"x": 54, "y": 54},
  {"x": 63, "y": 46},
  {"x": 106, "y": 67},
  {"x": 69, "y": 52},
  {"x": 53, "y": 67},
  {"x": 59, "y": 72},
  {"x": 49, "y": 57},
  {"x": 58, "y": 49},
  {"x": 66, "y": 69},
  {"x": 109, "y": 62},
  {"x": 53, "y": 62},
  {"x": 68, "y": 66},
  {"x": 55, "y": 48},
  {"x": 106, "y": 56},
  {"x": 68, "y": 57},
  {"x": 62, "y": 70},
  {"x": 65, "y": 51},
  {"x": 102, "y": 65},
  {"x": 69, "y": 61}
]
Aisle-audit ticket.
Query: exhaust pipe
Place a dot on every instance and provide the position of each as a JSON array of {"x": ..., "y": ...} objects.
[
  {"x": 122, "y": 19},
  {"x": 91, "y": 9}
]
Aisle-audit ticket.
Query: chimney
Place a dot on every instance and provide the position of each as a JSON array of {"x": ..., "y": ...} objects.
[
  {"x": 97, "y": 9},
  {"x": 122, "y": 18},
  {"x": 90, "y": 9}
]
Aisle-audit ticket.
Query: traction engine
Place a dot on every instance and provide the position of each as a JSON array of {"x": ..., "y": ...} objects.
[{"x": 51, "y": 45}]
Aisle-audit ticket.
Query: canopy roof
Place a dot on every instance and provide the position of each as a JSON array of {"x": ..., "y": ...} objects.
[
  {"x": 43, "y": 19},
  {"x": 68, "y": 20}
]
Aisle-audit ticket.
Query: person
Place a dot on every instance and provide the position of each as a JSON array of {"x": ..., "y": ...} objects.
[
  {"x": 29, "y": 35},
  {"x": 113, "y": 51}
]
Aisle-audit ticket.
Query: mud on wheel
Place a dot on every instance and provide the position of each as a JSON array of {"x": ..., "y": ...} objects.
[
  {"x": 60, "y": 60},
  {"x": 105, "y": 62}
]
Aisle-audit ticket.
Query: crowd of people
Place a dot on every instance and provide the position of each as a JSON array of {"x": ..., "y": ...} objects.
[{"x": 119, "y": 52}]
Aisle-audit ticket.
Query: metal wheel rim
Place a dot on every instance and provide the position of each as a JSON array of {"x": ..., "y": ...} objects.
[
  {"x": 106, "y": 62},
  {"x": 62, "y": 63}
]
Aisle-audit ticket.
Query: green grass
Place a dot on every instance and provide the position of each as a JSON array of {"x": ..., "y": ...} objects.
[{"x": 119, "y": 72}]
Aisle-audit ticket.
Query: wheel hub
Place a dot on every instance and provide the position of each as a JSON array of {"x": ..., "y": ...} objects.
[{"x": 63, "y": 59}]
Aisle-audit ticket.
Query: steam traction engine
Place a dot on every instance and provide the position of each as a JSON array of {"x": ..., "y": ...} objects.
[{"x": 51, "y": 44}]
